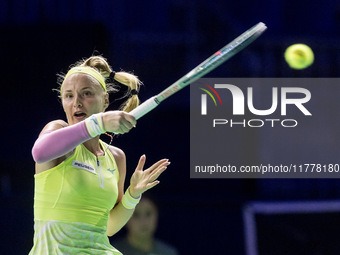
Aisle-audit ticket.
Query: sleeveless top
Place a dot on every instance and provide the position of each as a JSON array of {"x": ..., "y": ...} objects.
[{"x": 72, "y": 203}]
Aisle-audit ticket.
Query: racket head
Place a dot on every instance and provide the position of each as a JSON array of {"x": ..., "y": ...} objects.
[
  {"x": 219, "y": 57},
  {"x": 244, "y": 39},
  {"x": 232, "y": 48}
]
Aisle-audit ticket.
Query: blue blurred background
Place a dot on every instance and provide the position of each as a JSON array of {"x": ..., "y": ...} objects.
[{"x": 159, "y": 41}]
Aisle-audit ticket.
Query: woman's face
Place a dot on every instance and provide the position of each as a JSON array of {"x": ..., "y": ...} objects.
[
  {"x": 143, "y": 222},
  {"x": 82, "y": 96}
]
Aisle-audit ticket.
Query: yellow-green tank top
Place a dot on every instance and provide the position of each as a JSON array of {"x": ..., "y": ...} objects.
[{"x": 83, "y": 188}]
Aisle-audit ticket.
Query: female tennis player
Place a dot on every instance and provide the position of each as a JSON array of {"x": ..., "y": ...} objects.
[{"x": 79, "y": 180}]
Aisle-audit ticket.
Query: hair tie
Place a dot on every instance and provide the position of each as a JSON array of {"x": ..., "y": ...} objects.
[
  {"x": 133, "y": 92},
  {"x": 111, "y": 77}
]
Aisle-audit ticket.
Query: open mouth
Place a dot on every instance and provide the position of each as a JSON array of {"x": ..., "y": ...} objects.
[{"x": 79, "y": 115}]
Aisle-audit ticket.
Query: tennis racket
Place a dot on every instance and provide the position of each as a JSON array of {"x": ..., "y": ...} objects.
[{"x": 205, "y": 67}]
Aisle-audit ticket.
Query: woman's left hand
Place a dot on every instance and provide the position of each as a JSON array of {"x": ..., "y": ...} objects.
[{"x": 142, "y": 180}]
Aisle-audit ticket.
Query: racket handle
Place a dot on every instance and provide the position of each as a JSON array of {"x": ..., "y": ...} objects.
[{"x": 145, "y": 107}]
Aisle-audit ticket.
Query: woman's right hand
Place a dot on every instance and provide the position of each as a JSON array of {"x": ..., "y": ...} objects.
[{"x": 118, "y": 122}]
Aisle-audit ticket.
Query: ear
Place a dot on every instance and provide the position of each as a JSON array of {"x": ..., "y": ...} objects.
[{"x": 106, "y": 101}]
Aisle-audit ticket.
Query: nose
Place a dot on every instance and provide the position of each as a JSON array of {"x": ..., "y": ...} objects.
[{"x": 77, "y": 102}]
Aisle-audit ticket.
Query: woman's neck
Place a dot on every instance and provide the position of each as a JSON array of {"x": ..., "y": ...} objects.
[
  {"x": 143, "y": 244},
  {"x": 93, "y": 146}
]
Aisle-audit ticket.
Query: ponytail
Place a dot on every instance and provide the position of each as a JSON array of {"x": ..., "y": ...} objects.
[
  {"x": 130, "y": 80},
  {"x": 133, "y": 84}
]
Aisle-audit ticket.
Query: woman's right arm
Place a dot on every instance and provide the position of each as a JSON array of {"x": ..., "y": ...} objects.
[{"x": 57, "y": 139}]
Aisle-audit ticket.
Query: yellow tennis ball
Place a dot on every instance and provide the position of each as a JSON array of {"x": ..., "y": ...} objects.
[{"x": 299, "y": 56}]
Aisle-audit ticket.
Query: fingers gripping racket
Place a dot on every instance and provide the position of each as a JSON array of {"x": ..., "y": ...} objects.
[{"x": 207, "y": 66}]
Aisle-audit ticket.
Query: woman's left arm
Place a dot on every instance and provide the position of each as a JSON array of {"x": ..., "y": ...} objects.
[{"x": 141, "y": 181}]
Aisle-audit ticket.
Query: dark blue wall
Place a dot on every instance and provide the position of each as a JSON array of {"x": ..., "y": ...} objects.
[{"x": 159, "y": 41}]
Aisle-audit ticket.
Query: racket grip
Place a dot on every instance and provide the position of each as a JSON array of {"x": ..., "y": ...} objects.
[{"x": 145, "y": 107}]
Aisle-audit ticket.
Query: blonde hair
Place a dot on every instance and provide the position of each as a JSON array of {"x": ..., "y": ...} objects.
[{"x": 101, "y": 65}]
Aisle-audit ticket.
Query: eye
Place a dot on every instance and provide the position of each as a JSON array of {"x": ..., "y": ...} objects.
[
  {"x": 87, "y": 93},
  {"x": 68, "y": 95}
]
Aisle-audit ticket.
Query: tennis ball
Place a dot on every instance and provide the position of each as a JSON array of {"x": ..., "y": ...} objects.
[{"x": 299, "y": 56}]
